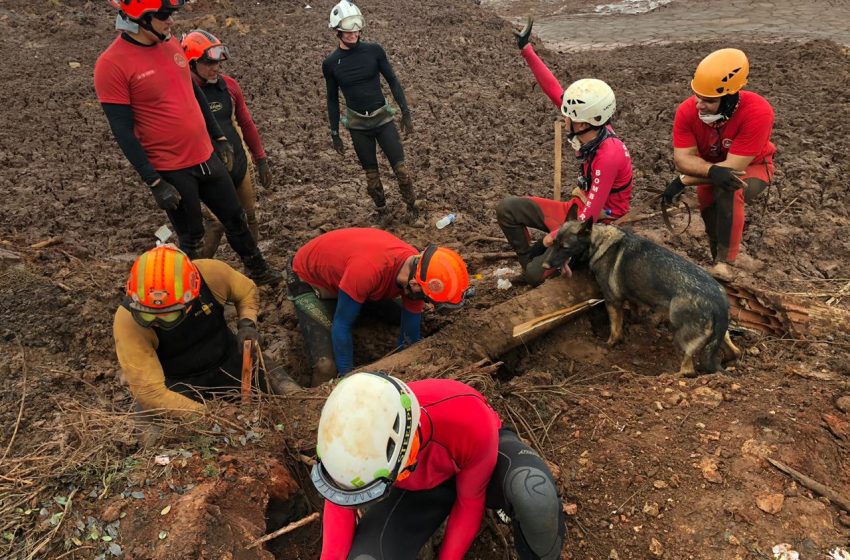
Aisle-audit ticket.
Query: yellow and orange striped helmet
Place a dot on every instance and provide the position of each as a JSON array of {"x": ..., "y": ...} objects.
[{"x": 163, "y": 279}]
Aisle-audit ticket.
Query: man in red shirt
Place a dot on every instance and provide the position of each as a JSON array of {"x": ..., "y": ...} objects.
[
  {"x": 226, "y": 101},
  {"x": 163, "y": 125},
  {"x": 721, "y": 144},
  {"x": 605, "y": 168},
  {"x": 336, "y": 275},
  {"x": 414, "y": 454}
]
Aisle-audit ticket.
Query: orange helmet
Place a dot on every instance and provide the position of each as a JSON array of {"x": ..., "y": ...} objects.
[
  {"x": 721, "y": 73},
  {"x": 135, "y": 9},
  {"x": 202, "y": 45},
  {"x": 163, "y": 280},
  {"x": 442, "y": 275}
]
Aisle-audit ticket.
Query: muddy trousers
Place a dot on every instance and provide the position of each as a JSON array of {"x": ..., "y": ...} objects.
[
  {"x": 315, "y": 320},
  {"x": 209, "y": 183},
  {"x": 516, "y": 214},
  {"x": 723, "y": 211},
  {"x": 248, "y": 201},
  {"x": 387, "y": 137},
  {"x": 521, "y": 489}
]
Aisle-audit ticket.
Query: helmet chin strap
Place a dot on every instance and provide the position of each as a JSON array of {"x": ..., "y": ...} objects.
[
  {"x": 145, "y": 23},
  {"x": 346, "y": 43}
]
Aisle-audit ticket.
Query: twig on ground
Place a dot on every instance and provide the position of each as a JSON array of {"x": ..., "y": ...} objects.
[
  {"x": 21, "y": 409},
  {"x": 813, "y": 485},
  {"x": 47, "y": 242},
  {"x": 837, "y": 297},
  {"x": 283, "y": 530},
  {"x": 55, "y": 530}
]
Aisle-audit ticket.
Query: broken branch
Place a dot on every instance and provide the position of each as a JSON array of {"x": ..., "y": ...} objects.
[
  {"x": 283, "y": 530},
  {"x": 813, "y": 485}
]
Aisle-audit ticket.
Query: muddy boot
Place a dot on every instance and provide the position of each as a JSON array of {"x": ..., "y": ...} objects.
[
  {"x": 405, "y": 185},
  {"x": 376, "y": 191},
  {"x": 193, "y": 248},
  {"x": 324, "y": 370},
  {"x": 212, "y": 238},
  {"x": 259, "y": 270},
  {"x": 281, "y": 384}
]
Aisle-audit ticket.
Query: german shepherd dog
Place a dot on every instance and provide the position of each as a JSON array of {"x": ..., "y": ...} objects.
[{"x": 631, "y": 268}]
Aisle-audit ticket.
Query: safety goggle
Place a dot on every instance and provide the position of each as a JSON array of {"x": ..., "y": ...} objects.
[
  {"x": 355, "y": 498},
  {"x": 217, "y": 53},
  {"x": 445, "y": 306},
  {"x": 164, "y": 14},
  {"x": 164, "y": 321}
]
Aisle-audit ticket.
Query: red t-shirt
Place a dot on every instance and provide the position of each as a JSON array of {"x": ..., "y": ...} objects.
[
  {"x": 362, "y": 262},
  {"x": 460, "y": 438},
  {"x": 156, "y": 82},
  {"x": 747, "y": 133}
]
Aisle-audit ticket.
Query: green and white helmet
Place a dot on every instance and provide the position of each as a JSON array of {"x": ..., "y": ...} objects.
[
  {"x": 345, "y": 16},
  {"x": 590, "y": 101},
  {"x": 365, "y": 434}
]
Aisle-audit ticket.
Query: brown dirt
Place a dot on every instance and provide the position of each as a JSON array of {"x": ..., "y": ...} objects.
[{"x": 643, "y": 454}]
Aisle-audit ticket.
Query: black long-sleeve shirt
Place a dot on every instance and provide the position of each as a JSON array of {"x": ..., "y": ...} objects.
[{"x": 357, "y": 73}]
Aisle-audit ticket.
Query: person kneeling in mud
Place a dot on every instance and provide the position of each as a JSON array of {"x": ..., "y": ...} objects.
[
  {"x": 424, "y": 452},
  {"x": 604, "y": 188},
  {"x": 356, "y": 68},
  {"x": 226, "y": 101},
  {"x": 171, "y": 337},
  {"x": 336, "y": 275}
]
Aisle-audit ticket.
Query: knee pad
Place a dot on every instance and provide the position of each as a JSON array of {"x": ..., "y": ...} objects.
[{"x": 537, "y": 511}]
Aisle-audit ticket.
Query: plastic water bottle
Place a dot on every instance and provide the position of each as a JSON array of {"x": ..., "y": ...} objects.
[{"x": 446, "y": 220}]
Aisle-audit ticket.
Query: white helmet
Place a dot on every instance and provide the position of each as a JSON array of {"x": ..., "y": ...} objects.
[
  {"x": 345, "y": 16},
  {"x": 366, "y": 430},
  {"x": 590, "y": 101}
]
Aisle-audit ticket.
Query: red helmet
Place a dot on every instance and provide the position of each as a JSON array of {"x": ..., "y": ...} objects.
[
  {"x": 135, "y": 9},
  {"x": 202, "y": 45},
  {"x": 442, "y": 275},
  {"x": 162, "y": 280}
]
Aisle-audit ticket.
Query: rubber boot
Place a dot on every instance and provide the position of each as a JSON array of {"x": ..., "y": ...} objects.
[
  {"x": 259, "y": 270},
  {"x": 408, "y": 194},
  {"x": 213, "y": 232},
  {"x": 376, "y": 191},
  {"x": 193, "y": 248}
]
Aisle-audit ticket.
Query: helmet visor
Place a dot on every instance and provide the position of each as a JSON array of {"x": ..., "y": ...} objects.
[
  {"x": 372, "y": 492},
  {"x": 217, "y": 53},
  {"x": 446, "y": 307},
  {"x": 164, "y": 321}
]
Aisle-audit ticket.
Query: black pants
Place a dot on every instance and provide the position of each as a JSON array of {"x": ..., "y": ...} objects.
[
  {"x": 208, "y": 182},
  {"x": 386, "y": 136},
  {"x": 522, "y": 487},
  {"x": 225, "y": 378}
]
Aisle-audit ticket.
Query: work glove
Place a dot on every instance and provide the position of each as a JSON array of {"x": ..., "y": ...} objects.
[
  {"x": 247, "y": 330},
  {"x": 406, "y": 124},
  {"x": 673, "y": 192},
  {"x": 725, "y": 178},
  {"x": 225, "y": 152},
  {"x": 337, "y": 141},
  {"x": 166, "y": 195},
  {"x": 523, "y": 36},
  {"x": 264, "y": 172}
]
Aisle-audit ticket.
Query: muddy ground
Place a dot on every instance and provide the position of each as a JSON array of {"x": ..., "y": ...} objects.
[{"x": 654, "y": 466}]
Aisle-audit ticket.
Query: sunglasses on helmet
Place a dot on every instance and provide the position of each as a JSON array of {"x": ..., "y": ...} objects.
[
  {"x": 164, "y": 321},
  {"x": 218, "y": 53}
]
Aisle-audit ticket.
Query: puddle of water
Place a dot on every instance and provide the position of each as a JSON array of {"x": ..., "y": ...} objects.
[{"x": 629, "y": 7}]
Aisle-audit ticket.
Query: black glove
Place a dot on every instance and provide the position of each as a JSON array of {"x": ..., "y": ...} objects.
[
  {"x": 725, "y": 178},
  {"x": 406, "y": 123},
  {"x": 523, "y": 36},
  {"x": 673, "y": 191},
  {"x": 264, "y": 172},
  {"x": 247, "y": 330},
  {"x": 166, "y": 195},
  {"x": 338, "y": 145},
  {"x": 225, "y": 153}
]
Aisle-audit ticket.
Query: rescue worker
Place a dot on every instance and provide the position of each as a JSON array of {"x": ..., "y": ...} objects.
[
  {"x": 605, "y": 168},
  {"x": 415, "y": 454},
  {"x": 226, "y": 101},
  {"x": 163, "y": 125},
  {"x": 336, "y": 275},
  {"x": 355, "y": 67},
  {"x": 171, "y": 337},
  {"x": 721, "y": 144}
]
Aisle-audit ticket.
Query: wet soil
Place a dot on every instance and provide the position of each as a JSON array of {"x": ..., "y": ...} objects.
[{"x": 656, "y": 466}]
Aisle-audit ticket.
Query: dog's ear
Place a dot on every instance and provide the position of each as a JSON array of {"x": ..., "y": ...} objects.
[{"x": 585, "y": 228}]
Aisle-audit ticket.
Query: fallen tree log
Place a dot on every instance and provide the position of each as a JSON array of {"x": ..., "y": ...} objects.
[{"x": 488, "y": 333}]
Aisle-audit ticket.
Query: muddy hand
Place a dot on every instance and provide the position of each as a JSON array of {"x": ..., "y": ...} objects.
[
  {"x": 673, "y": 192},
  {"x": 166, "y": 195},
  {"x": 264, "y": 172},
  {"x": 726, "y": 178},
  {"x": 406, "y": 124},
  {"x": 225, "y": 152},
  {"x": 337, "y": 142},
  {"x": 523, "y": 36}
]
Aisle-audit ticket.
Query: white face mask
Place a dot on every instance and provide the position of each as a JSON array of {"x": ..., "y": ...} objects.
[
  {"x": 710, "y": 119},
  {"x": 122, "y": 24},
  {"x": 575, "y": 143}
]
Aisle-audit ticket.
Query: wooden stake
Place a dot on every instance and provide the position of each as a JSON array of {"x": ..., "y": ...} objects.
[
  {"x": 559, "y": 124},
  {"x": 528, "y": 326},
  {"x": 247, "y": 370},
  {"x": 283, "y": 530},
  {"x": 813, "y": 485}
]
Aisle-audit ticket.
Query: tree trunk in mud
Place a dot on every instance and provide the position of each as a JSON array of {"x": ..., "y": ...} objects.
[{"x": 488, "y": 333}]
